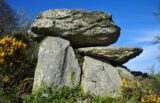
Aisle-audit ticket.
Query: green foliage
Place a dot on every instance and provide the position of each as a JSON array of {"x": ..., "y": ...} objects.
[
  {"x": 16, "y": 68},
  {"x": 32, "y": 47},
  {"x": 21, "y": 35},
  {"x": 157, "y": 76},
  {"x": 134, "y": 92},
  {"x": 98, "y": 99},
  {"x": 62, "y": 95},
  {"x": 25, "y": 86},
  {"x": 144, "y": 91},
  {"x": 65, "y": 95},
  {"x": 14, "y": 93},
  {"x": 12, "y": 56},
  {"x": 9, "y": 96},
  {"x": 72, "y": 77},
  {"x": 153, "y": 84}
]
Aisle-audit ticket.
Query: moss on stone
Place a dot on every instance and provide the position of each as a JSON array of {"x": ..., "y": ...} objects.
[{"x": 72, "y": 77}]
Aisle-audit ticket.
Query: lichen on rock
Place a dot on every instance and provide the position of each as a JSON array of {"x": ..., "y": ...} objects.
[{"x": 80, "y": 27}]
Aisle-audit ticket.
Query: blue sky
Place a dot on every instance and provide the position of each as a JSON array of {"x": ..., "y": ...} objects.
[{"x": 135, "y": 17}]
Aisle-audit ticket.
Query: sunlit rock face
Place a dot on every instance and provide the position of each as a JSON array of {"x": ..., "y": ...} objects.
[
  {"x": 117, "y": 55},
  {"x": 82, "y": 28},
  {"x": 56, "y": 64},
  {"x": 100, "y": 77},
  {"x": 90, "y": 34}
]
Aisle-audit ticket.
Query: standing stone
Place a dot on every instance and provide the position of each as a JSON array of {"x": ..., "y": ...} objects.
[
  {"x": 100, "y": 77},
  {"x": 80, "y": 27},
  {"x": 57, "y": 65}
]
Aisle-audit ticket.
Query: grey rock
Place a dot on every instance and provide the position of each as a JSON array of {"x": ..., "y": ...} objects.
[
  {"x": 57, "y": 65},
  {"x": 31, "y": 34},
  {"x": 82, "y": 28},
  {"x": 86, "y": 100},
  {"x": 100, "y": 77},
  {"x": 116, "y": 55},
  {"x": 125, "y": 73}
]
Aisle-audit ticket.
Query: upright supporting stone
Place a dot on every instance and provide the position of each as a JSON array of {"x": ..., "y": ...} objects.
[
  {"x": 57, "y": 65},
  {"x": 100, "y": 77}
]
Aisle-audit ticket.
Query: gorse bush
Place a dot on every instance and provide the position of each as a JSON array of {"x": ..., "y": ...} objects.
[
  {"x": 12, "y": 53},
  {"x": 16, "y": 69},
  {"x": 138, "y": 93}
]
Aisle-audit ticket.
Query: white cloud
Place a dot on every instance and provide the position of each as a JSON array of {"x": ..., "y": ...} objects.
[
  {"x": 141, "y": 40},
  {"x": 147, "y": 38},
  {"x": 143, "y": 37},
  {"x": 147, "y": 58}
]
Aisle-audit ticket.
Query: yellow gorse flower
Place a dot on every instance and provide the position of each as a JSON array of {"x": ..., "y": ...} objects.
[
  {"x": 9, "y": 47},
  {"x": 124, "y": 83},
  {"x": 136, "y": 84},
  {"x": 142, "y": 100},
  {"x": 151, "y": 98},
  {"x": 6, "y": 79},
  {"x": 158, "y": 100}
]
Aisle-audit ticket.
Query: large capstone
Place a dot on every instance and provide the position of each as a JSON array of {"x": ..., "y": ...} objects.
[
  {"x": 116, "y": 55},
  {"x": 57, "y": 65},
  {"x": 82, "y": 28},
  {"x": 100, "y": 78}
]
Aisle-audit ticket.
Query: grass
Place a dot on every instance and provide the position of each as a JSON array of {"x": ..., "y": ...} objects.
[{"x": 65, "y": 95}]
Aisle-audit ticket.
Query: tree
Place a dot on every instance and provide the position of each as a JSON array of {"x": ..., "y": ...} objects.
[
  {"x": 23, "y": 21},
  {"x": 8, "y": 18},
  {"x": 157, "y": 37},
  {"x": 157, "y": 12},
  {"x": 157, "y": 41}
]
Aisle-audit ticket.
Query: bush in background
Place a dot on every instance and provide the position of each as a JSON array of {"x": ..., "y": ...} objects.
[
  {"x": 12, "y": 59},
  {"x": 17, "y": 66}
]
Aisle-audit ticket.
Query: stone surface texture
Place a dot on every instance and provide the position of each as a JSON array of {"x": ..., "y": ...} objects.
[
  {"x": 82, "y": 28},
  {"x": 117, "y": 55},
  {"x": 100, "y": 77},
  {"x": 125, "y": 73},
  {"x": 57, "y": 65}
]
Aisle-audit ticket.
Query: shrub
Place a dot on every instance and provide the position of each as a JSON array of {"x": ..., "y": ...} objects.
[
  {"x": 65, "y": 95},
  {"x": 32, "y": 47},
  {"x": 61, "y": 95},
  {"x": 12, "y": 53},
  {"x": 25, "y": 86},
  {"x": 139, "y": 93},
  {"x": 16, "y": 69}
]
